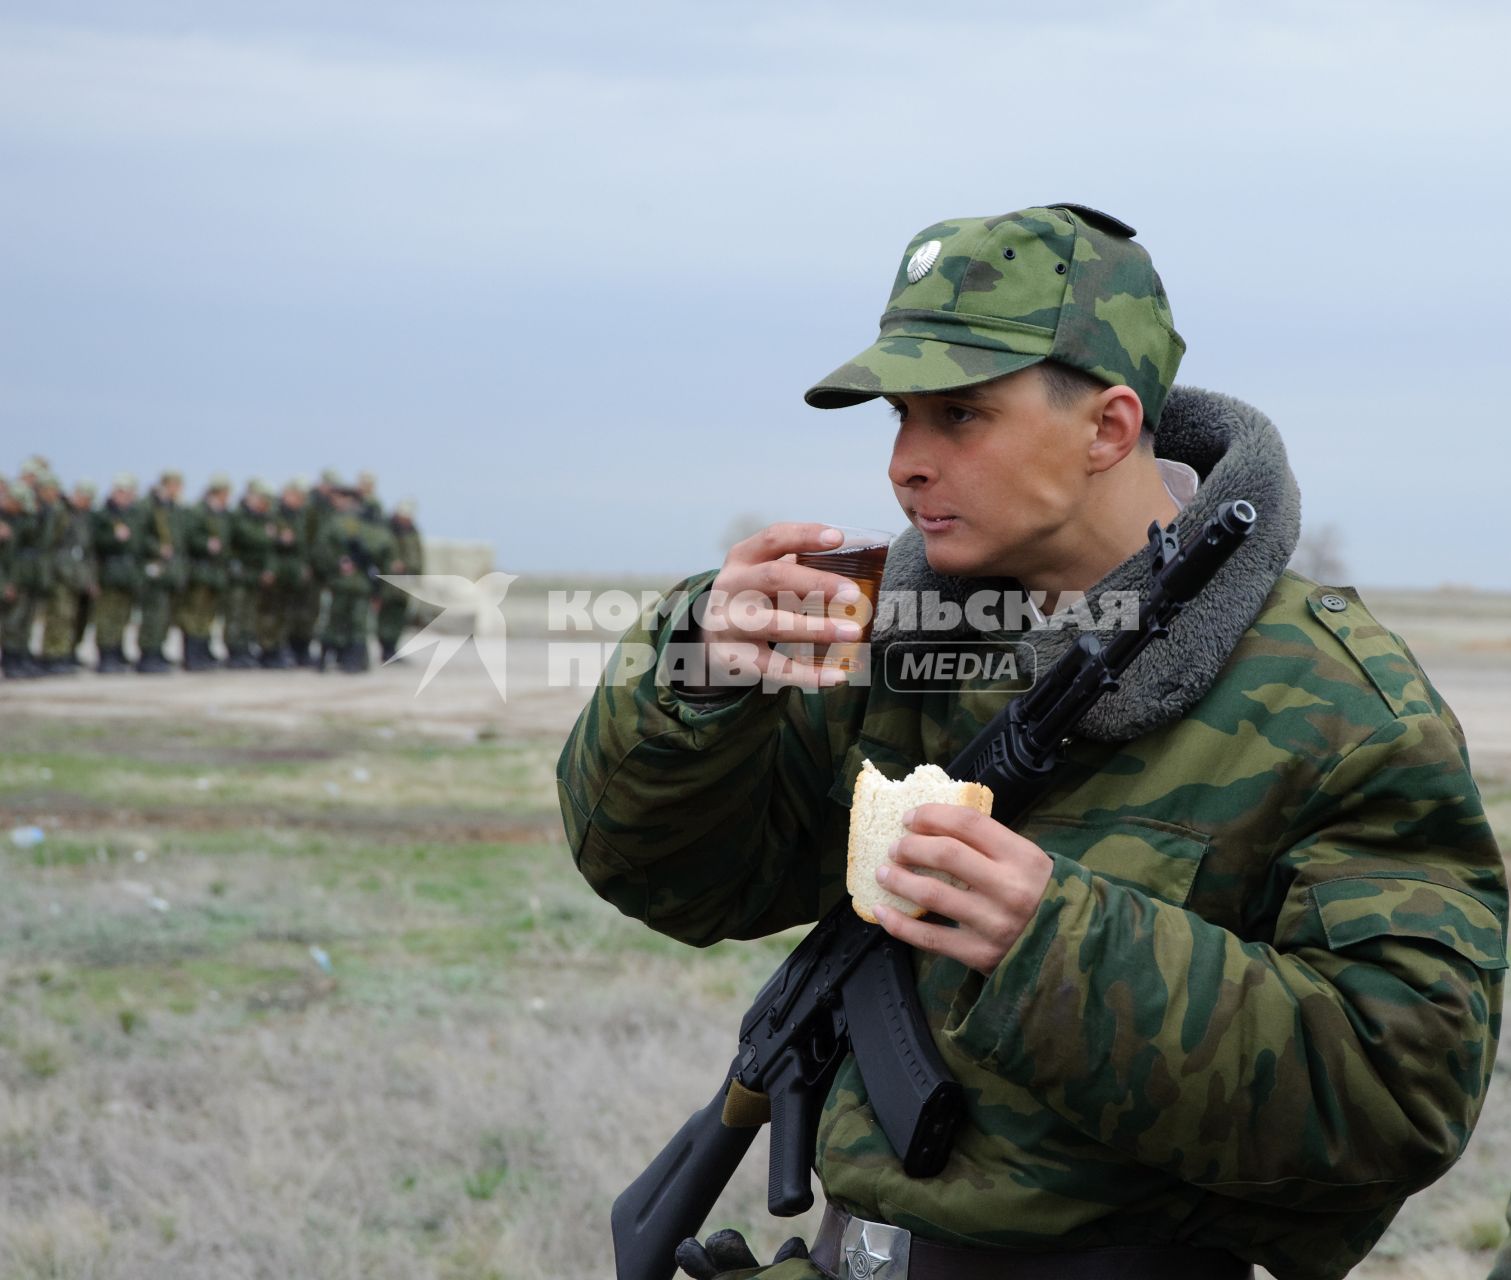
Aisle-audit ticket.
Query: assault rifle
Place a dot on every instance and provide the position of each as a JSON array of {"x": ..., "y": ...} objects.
[
  {"x": 362, "y": 559},
  {"x": 848, "y": 986}
]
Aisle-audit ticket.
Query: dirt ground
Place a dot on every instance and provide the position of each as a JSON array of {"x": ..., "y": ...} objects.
[{"x": 1463, "y": 639}]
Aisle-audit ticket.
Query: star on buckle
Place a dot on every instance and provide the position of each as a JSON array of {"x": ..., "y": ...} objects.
[{"x": 874, "y": 1251}]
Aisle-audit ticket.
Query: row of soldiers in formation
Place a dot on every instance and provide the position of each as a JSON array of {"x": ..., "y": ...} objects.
[{"x": 293, "y": 575}]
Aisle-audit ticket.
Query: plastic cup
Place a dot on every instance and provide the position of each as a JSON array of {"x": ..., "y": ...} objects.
[{"x": 861, "y": 557}]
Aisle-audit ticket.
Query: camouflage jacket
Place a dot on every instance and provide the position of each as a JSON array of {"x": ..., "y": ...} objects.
[
  {"x": 208, "y": 536},
  {"x": 119, "y": 558},
  {"x": 1258, "y": 1004},
  {"x": 165, "y": 555},
  {"x": 290, "y": 552},
  {"x": 74, "y": 565},
  {"x": 368, "y": 546},
  {"x": 408, "y": 558},
  {"x": 253, "y": 544}
]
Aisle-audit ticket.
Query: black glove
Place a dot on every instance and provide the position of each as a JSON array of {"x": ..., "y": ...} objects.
[{"x": 727, "y": 1251}]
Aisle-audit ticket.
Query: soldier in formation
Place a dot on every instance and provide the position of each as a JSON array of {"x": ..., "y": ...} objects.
[
  {"x": 294, "y": 578},
  {"x": 408, "y": 558}
]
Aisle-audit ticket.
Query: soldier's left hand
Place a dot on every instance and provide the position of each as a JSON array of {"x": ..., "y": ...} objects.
[
  {"x": 1004, "y": 874},
  {"x": 726, "y": 1251}
]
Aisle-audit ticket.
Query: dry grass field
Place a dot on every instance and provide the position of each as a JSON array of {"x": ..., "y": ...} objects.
[{"x": 300, "y": 982}]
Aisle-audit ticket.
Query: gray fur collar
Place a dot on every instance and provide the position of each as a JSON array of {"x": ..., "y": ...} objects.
[{"x": 1238, "y": 453}]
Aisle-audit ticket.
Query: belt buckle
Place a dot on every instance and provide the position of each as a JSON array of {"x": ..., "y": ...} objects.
[{"x": 874, "y": 1251}]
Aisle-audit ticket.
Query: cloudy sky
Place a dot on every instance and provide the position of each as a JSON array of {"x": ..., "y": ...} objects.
[{"x": 562, "y": 272}]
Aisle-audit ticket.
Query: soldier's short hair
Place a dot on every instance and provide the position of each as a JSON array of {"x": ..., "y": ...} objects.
[{"x": 1065, "y": 387}]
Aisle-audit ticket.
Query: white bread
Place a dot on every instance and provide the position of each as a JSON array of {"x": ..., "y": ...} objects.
[{"x": 876, "y": 811}]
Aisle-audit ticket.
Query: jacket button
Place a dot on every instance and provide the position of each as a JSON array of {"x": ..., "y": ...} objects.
[{"x": 1336, "y": 604}]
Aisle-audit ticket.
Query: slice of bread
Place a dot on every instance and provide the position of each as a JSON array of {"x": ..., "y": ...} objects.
[{"x": 876, "y": 811}]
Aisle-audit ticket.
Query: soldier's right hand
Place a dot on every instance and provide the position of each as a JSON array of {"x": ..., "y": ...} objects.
[{"x": 763, "y": 597}]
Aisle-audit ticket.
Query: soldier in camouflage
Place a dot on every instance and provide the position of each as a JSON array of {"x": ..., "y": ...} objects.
[
  {"x": 119, "y": 542},
  {"x": 75, "y": 580},
  {"x": 291, "y": 579},
  {"x": 165, "y": 569},
  {"x": 11, "y": 517},
  {"x": 408, "y": 558},
  {"x": 350, "y": 557},
  {"x": 307, "y": 621},
  {"x": 208, "y": 538},
  {"x": 37, "y": 528},
  {"x": 253, "y": 550},
  {"x": 1231, "y": 990}
]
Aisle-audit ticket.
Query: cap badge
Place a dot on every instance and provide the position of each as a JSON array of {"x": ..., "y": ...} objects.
[{"x": 923, "y": 260}]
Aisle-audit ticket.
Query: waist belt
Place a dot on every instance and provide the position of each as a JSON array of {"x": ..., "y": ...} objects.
[{"x": 850, "y": 1248}]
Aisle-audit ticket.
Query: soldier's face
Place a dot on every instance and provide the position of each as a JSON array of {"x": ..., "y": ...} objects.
[{"x": 993, "y": 476}]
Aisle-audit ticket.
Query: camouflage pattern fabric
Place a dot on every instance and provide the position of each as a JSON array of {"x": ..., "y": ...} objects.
[
  {"x": 74, "y": 576},
  {"x": 364, "y": 544},
  {"x": 207, "y": 535},
  {"x": 978, "y": 298},
  {"x": 119, "y": 544},
  {"x": 393, "y": 606},
  {"x": 253, "y": 554},
  {"x": 112, "y": 614},
  {"x": 165, "y": 570},
  {"x": 1258, "y": 1005}
]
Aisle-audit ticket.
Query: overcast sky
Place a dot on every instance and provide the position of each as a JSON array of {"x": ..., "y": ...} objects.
[{"x": 562, "y": 272}]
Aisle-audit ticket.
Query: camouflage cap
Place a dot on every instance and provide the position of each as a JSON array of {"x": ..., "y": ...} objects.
[
  {"x": 218, "y": 480},
  {"x": 86, "y": 486},
  {"x": 979, "y": 298},
  {"x": 45, "y": 479},
  {"x": 260, "y": 487},
  {"x": 300, "y": 482},
  {"x": 171, "y": 476},
  {"x": 123, "y": 480},
  {"x": 330, "y": 476},
  {"x": 405, "y": 509}
]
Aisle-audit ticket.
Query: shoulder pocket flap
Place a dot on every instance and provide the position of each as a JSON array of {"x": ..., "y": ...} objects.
[
  {"x": 1380, "y": 656},
  {"x": 1356, "y": 910}
]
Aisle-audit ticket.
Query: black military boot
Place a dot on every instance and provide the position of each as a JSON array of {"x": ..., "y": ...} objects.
[
  {"x": 354, "y": 657},
  {"x": 197, "y": 654},
  {"x": 279, "y": 659},
  {"x": 240, "y": 659},
  {"x": 112, "y": 662},
  {"x": 13, "y": 668},
  {"x": 153, "y": 663},
  {"x": 301, "y": 651},
  {"x": 389, "y": 648}
]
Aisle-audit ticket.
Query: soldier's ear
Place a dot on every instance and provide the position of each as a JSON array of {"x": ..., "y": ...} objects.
[{"x": 1118, "y": 416}]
